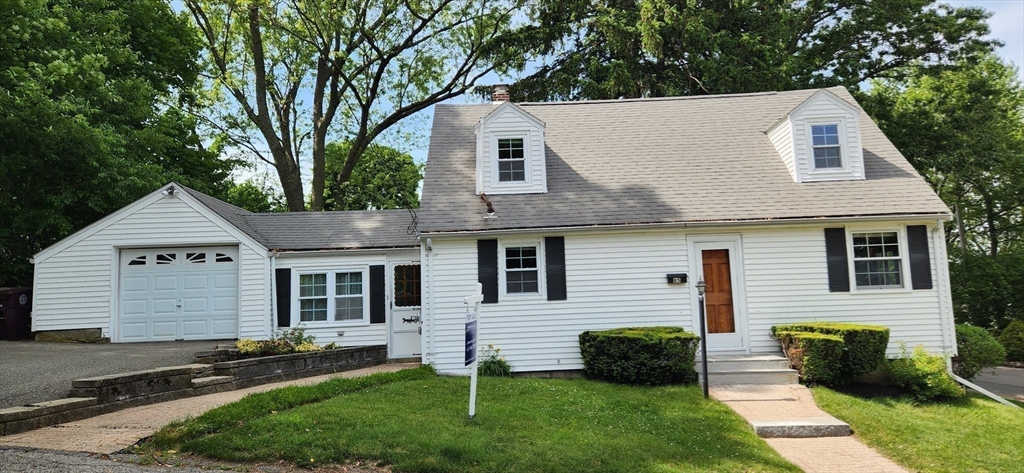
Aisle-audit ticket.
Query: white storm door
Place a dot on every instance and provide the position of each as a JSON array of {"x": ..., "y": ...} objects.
[
  {"x": 405, "y": 323},
  {"x": 178, "y": 294}
]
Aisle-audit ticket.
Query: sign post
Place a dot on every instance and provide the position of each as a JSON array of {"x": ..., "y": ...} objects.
[{"x": 472, "y": 319}]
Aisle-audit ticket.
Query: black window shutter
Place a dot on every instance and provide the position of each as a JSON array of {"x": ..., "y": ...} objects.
[
  {"x": 487, "y": 268},
  {"x": 554, "y": 256},
  {"x": 835, "y": 252},
  {"x": 920, "y": 262},
  {"x": 283, "y": 279},
  {"x": 378, "y": 304}
]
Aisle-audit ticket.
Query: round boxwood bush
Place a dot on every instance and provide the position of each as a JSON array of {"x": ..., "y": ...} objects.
[
  {"x": 639, "y": 355},
  {"x": 1012, "y": 340},
  {"x": 976, "y": 349}
]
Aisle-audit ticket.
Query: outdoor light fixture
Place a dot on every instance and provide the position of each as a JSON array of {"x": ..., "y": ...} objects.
[
  {"x": 169, "y": 191},
  {"x": 703, "y": 335}
]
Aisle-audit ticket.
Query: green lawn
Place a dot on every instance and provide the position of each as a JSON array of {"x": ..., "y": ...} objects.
[
  {"x": 417, "y": 422},
  {"x": 973, "y": 434}
]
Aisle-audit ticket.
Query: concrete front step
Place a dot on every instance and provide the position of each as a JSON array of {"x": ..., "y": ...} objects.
[
  {"x": 805, "y": 428},
  {"x": 748, "y": 369},
  {"x": 757, "y": 376}
]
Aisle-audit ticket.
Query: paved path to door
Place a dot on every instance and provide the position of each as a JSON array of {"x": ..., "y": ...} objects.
[
  {"x": 109, "y": 433},
  {"x": 42, "y": 371},
  {"x": 795, "y": 403}
]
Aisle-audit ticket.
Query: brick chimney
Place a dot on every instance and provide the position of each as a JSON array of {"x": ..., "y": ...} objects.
[{"x": 499, "y": 93}]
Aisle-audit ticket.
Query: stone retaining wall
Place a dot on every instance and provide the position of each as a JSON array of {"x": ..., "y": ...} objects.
[{"x": 102, "y": 394}]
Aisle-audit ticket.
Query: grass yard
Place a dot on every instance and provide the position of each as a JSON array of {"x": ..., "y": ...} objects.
[
  {"x": 970, "y": 434},
  {"x": 417, "y": 422}
]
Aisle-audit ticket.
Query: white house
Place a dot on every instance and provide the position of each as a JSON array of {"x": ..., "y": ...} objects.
[{"x": 792, "y": 206}]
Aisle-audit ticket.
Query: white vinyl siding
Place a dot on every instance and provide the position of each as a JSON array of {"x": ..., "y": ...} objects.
[
  {"x": 74, "y": 287},
  {"x": 612, "y": 280},
  {"x": 787, "y": 281},
  {"x": 346, "y": 333},
  {"x": 509, "y": 124},
  {"x": 781, "y": 137},
  {"x": 617, "y": 279}
]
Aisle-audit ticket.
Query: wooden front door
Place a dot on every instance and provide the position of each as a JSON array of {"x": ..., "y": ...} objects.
[{"x": 718, "y": 294}]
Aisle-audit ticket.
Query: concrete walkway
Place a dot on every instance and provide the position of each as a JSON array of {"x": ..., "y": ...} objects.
[
  {"x": 112, "y": 432},
  {"x": 823, "y": 443}
]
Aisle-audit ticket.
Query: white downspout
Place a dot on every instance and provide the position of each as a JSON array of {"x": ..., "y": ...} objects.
[
  {"x": 946, "y": 311},
  {"x": 431, "y": 342},
  {"x": 273, "y": 295}
]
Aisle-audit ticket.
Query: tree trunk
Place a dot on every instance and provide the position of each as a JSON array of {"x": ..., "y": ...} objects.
[
  {"x": 990, "y": 221},
  {"x": 960, "y": 227}
]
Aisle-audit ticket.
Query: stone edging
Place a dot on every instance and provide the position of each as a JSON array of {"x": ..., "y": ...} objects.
[{"x": 103, "y": 394}]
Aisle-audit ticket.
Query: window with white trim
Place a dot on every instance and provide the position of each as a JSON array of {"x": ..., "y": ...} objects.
[
  {"x": 877, "y": 263},
  {"x": 335, "y": 296},
  {"x": 511, "y": 160},
  {"x": 826, "y": 148},
  {"x": 521, "y": 270}
]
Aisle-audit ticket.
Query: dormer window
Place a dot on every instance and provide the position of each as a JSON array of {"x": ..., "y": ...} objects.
[
  {"x": 819, "y": 140},
  {"x": 827, "y": 154},
  {"x": 510, "y": 153},
  {"x": 511, "y": 160}
]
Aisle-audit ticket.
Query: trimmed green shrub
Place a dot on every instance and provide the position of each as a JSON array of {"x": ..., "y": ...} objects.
[
  {"x": 640, "y": 355},
  {"x": 1012, "y": 340},
  {"x": 923, "y": 374},
  {"x": 863, "y": 348},
  {"x": 816, "y": 356},
  {"x": 976, "y": 349}
]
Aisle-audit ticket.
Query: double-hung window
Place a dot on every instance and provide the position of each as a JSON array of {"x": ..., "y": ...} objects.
[
  {"x": 338, "y": 293},
  {"x": 511, "y": 160},
  {"x": 877, "y": 263},
  {"x": 313, "y": 297},
  {"x": 521, "y": 275},
  {"x": 827, "y": 150}
]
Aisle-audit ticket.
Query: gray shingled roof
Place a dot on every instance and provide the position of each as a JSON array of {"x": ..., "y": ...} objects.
[
  {"x": 294, "y": 231},
  {"x": 686, "y": 159}
]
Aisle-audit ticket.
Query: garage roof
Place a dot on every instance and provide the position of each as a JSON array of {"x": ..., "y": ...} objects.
[{"x": 295, "y": 231}]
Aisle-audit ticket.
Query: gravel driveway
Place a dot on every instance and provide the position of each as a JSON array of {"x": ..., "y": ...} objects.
[{"x": 40, "y": 371}]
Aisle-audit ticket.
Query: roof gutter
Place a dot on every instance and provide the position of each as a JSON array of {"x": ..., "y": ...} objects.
[
  {"x": 700, "y": 224},
  {"x": 336, "y": 252}
]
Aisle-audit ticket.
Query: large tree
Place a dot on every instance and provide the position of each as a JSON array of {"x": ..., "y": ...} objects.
[
  {"x": 92, "y": 100},
  {"x": 963, "y": 129},
  {"x": 384, "y": 178},
  {"x": 606, "y": 49},
  {"x": 292, "y": 75}
]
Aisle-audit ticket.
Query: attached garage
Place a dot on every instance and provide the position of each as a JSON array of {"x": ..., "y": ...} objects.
[
  {"x": 178, "y": 294},
  {"x": 181, "y": 265},
  {"x": 174, "y": 265}
]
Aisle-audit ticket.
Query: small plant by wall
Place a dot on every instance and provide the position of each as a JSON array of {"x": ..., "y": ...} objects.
[
  {"x": 493, "y": 364},
  {"x": 640, "y": 355},
  {"x": 283, "y": 342},
  {"x": 923, "y": 374}
]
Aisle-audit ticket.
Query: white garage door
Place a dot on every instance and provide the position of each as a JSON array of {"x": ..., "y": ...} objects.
[{"x": 178, "y": 294}]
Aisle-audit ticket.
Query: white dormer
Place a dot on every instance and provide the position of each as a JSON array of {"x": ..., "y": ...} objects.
[
  {"x": 510, "y": 152},
  {"x": 820, "y": 140}
]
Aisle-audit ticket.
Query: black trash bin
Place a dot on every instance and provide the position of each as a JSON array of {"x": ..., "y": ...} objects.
[{"x": 15, "y": 313}]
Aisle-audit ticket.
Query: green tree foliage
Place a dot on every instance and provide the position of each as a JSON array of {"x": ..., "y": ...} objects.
[
  {"x": 651, "y": 48},
  {"x": 289, "y": 75},
  {"x": 963, "y": 130},
  {"x": 91, "y": 117},
  {"x": 384, "y": 178},
  {"x": 255, "y": 196}
]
